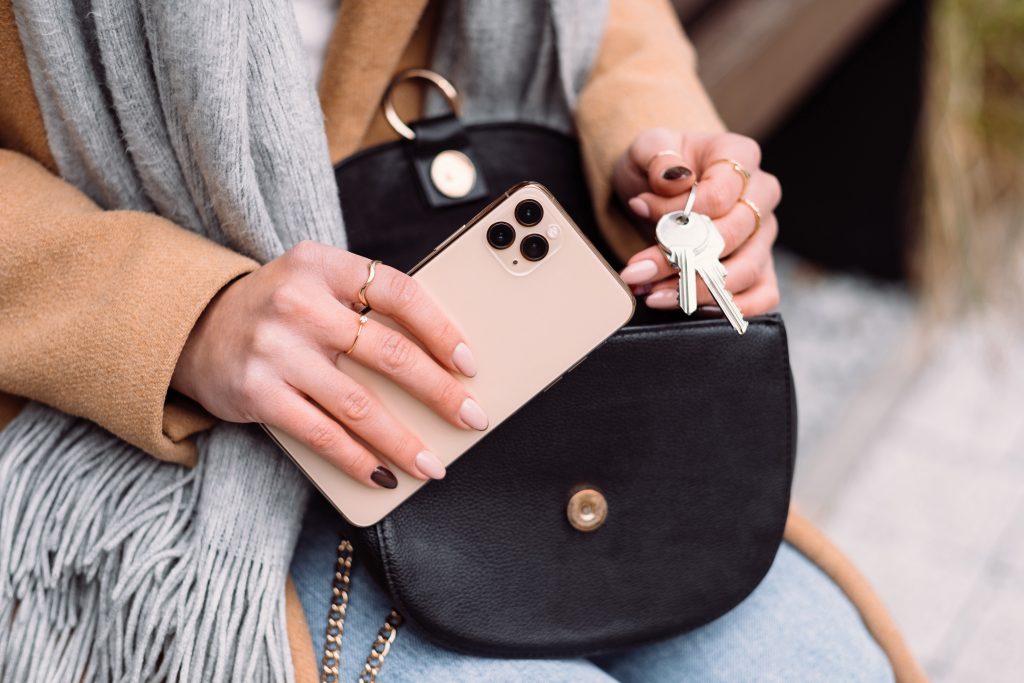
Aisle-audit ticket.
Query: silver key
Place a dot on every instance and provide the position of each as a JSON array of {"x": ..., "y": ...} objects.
[
  {"x": 682, "y": 240},
  {"x": 713, "y": 273},
  {"x": 692, "y": 243}
]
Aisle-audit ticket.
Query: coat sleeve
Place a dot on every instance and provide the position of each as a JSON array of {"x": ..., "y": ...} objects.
[
  {"x": 95, "y": 307},
  {"x": 644, "y": 77}
]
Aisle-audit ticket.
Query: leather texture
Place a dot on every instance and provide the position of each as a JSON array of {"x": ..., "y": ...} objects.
[{"x": 686, "y": 428}]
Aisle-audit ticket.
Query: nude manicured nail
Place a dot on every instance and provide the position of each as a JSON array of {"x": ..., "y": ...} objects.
[
  {"x": 641, "y": 271},
  {"x": 428, "y": 464},
  {"x": 640, "y": 207},
  {"x": 663, "y": 298},
  {"x": 473, "y": 415},
  {"x": 382, "y": 476},
  {"x": 464, "y": 360}
]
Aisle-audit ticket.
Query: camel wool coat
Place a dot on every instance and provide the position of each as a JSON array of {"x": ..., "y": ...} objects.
[{"x": 96, "y": 305}]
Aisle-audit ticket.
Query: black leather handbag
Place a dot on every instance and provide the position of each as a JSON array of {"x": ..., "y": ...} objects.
[{"x": 642, "y": 496}]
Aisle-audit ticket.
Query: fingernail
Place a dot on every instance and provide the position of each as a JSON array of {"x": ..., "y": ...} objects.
[
  {"x": 663, "y": 298},
  {"x": 464, "y": 360},
  {"x": 640, "y": 207},
  {"x": 428, "y": 464},
  {"x": 473, "y": 415},
  {"x": 676, "y": 172},
  {"x": 638, "y": 272},
  {"x": 382, "y": 476}
]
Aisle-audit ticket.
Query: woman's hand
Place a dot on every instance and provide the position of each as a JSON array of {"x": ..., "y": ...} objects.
[
  {"x": 266, "y": 350},
  {"x": 654, "y": 177}
]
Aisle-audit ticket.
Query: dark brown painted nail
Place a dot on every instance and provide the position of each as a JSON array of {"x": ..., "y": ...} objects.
[
  {"x": 384, "y": 477},
  {"x": 676, "y": 172}
]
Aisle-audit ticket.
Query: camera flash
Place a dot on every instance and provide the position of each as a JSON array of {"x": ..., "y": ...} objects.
[{"x": 553, "y": 231}]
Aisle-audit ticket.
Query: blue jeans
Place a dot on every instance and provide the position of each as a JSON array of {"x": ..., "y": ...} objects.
[{"x": 797, "y": 626}]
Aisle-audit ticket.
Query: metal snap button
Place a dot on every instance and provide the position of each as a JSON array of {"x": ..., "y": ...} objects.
[
  {"x": 587, "y": 510},
  {"x": 452, "y": 173}
]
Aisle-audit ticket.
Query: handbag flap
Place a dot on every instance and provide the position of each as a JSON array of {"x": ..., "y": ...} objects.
[{"x": 693, "y": 451}]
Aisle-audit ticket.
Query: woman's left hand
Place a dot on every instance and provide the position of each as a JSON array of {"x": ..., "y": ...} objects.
[{"x": 654, "y": 177}]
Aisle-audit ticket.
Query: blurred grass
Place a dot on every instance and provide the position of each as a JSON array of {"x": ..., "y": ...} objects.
[{"x": 970, "y": 252}]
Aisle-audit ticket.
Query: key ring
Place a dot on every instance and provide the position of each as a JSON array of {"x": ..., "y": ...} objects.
[
  {"x": 442, "y": 83},
  {"x": 690, "y": 201}
]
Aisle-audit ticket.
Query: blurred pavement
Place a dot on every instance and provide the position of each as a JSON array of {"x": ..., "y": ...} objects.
[{"x": 912, "y": 461}]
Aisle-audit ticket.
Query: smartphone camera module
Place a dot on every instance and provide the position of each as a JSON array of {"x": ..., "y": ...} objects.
[
  {"x": 529, "y": 212},
  {"x": 534, "y": 247},
  {"x": 501, "y": 235}
]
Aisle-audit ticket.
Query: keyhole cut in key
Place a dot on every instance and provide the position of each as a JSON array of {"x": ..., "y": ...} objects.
[{"x": 683, "y": 220}]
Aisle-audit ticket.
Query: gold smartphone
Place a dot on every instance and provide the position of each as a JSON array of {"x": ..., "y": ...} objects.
[{"x": 531, "y": 295}]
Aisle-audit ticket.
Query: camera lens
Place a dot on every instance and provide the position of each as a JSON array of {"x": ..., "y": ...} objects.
[
  {"x": 529, "y": 212},
  {"x": 501, "y": 235},
  {"x": 534, "y": 247}
]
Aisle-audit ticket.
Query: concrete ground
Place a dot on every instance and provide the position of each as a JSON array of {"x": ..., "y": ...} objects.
[{"x": 912, "y": 461}]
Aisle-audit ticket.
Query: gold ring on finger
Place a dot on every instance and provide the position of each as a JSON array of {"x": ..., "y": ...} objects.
[
  {"x": 757, "y": 214},
  {"x": 664, "y": 153},
  {"x": 359, "y": 330},
  {"x": 369, "y": 279},
  {"x": 736, "y": 166}
]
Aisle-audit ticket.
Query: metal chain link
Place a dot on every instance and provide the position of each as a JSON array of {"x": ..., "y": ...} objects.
[
  {"x": 336, "y": 626},
  {"x": 380, "y": 648}
]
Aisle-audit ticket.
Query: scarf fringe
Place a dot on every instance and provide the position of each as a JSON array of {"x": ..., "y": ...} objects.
[{"x": 108, "y": 571}]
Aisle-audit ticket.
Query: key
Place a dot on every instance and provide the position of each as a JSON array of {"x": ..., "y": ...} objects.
[
  {"x": 692, "y": 243},
  {"x": 713, "y": 273},
  {"x": 682, "y": 240}
]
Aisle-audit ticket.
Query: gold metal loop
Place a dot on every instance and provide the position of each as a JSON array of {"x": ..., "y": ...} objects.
[
  {"x": 442, "y": 84},
  {"x": 359, "y": 330},
  {"x": 736, "y": 166},
  {"x": 757, "y": 214},
  {"x": 369, "y": 279}
]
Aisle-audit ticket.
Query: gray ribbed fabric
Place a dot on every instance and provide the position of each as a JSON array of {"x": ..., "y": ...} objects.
[{"x": 113, "y": 565}]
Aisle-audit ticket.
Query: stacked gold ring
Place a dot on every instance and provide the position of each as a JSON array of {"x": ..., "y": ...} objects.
[
  {"x": 736, "y": 166},
  {"x": 359, "y": 330},
  {"x": 369, "y": 279},
  {"x": 757, "y": 214},
  {"x": 366, "y": 304}
]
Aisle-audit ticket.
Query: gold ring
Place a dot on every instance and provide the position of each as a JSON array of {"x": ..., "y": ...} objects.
[
  {"x": 664, "y": 153},
  {"x": 359, "y": 330},
  {"x": 442, "y": 84},
  {"x": 736, "y": 166},
  {"x": 757, "y": 214},
  {"x": 369, "y": 279}
]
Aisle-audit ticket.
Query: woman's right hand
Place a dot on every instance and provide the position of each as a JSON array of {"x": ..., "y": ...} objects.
[{"x": 266, "y": 350}]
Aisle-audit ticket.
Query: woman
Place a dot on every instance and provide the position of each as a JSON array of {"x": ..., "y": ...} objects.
[{"x": 164, "y": 125}]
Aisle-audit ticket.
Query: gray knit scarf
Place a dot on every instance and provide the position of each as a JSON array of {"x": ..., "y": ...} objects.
[{"x": 113, "y": 565}]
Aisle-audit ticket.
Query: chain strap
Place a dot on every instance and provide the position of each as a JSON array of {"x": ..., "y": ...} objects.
[{"x": 336, "y": 626}]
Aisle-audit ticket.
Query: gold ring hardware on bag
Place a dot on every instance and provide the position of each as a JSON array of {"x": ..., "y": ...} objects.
[
  {"x": 452, "y": 173},
  {"x": 442, "y": 83},
  {"x": 587, "y": 510}
]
